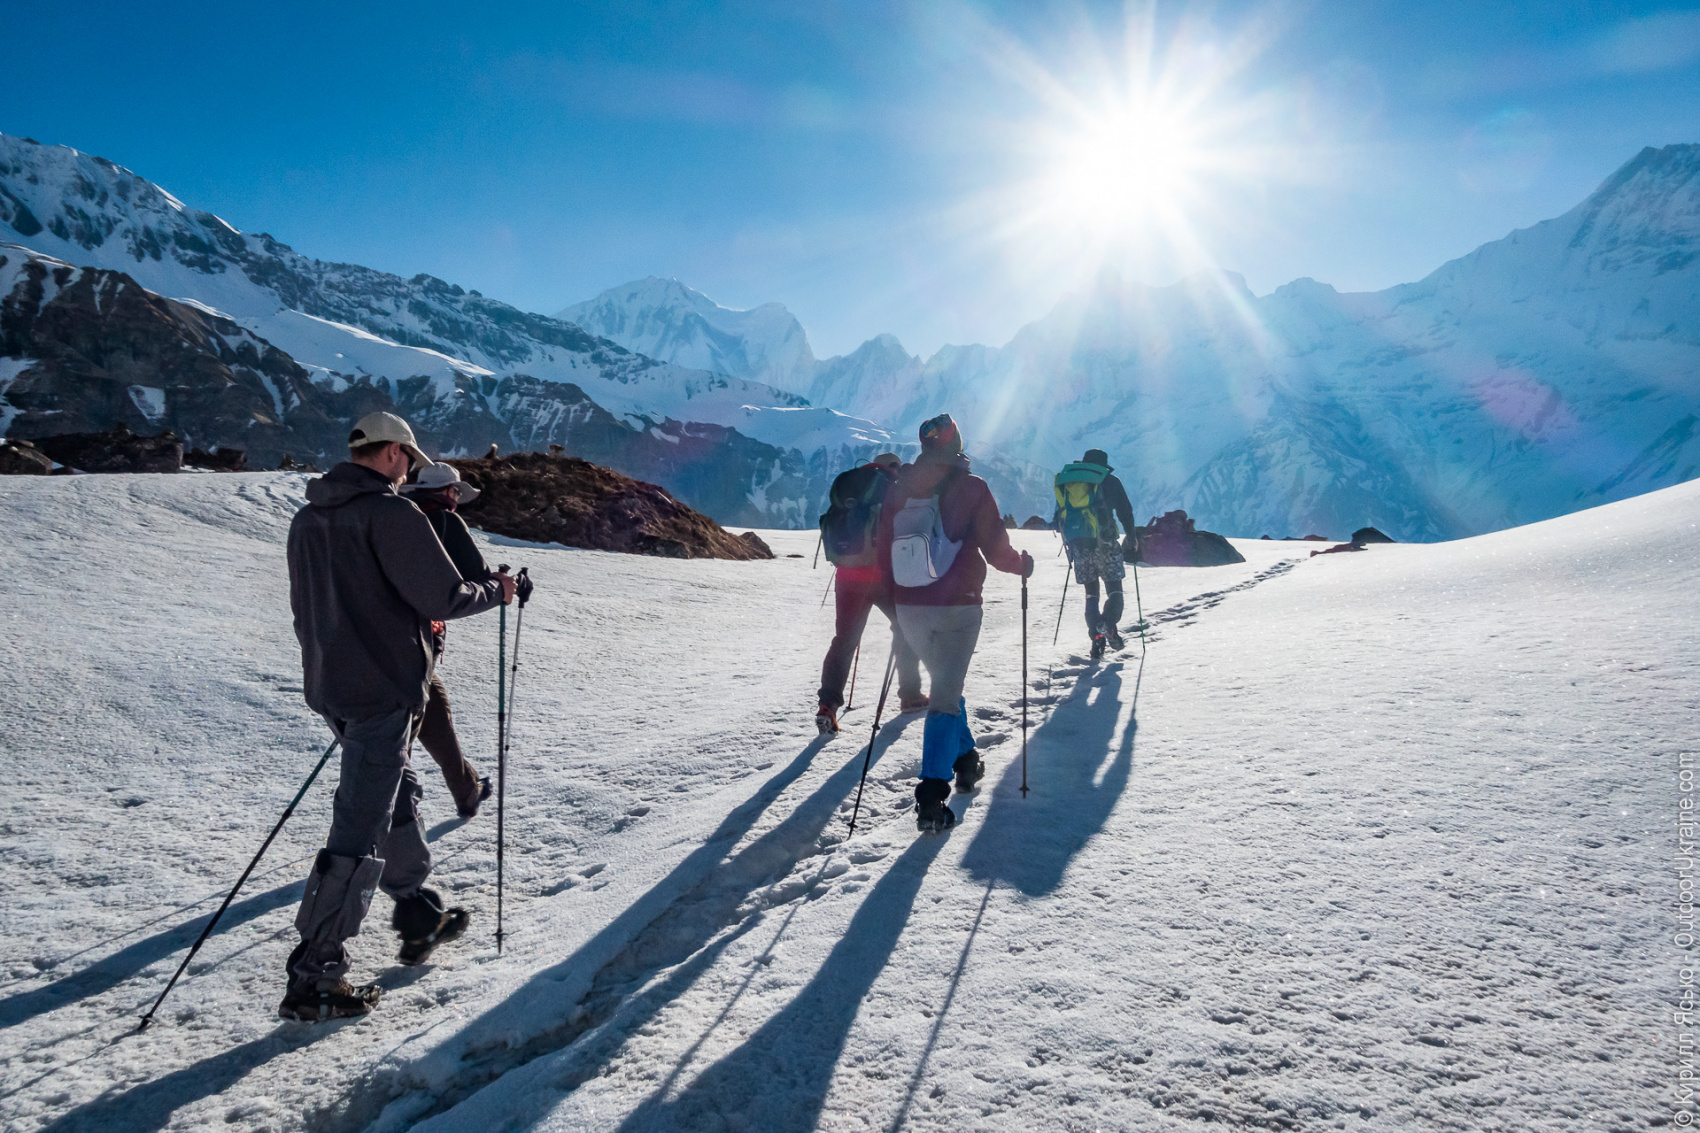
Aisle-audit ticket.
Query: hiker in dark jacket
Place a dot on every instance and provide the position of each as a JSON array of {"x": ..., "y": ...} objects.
[
  {"x": 1089, "y": 501},
  {"x": 858, "y": 588},
  {"x": 938, "y": 529},
  {"x": 438, "y": 490},
  {"x": 367, "y": 577}
]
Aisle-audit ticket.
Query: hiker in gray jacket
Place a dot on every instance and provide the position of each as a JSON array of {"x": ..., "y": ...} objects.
[{"x": 367, "y": 577}]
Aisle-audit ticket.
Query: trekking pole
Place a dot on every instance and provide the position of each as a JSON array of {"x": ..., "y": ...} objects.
[
  {"x": 818, "y": 543},
  {"x": 828, "y": 589},
  {"x": 501, "y": 750},
  {"x": 1138, "y": 605},
  {"x": 1058, "y": 631},
  {"x": 890, "y": 667},
  {"x": 853, "y": 665},
  {"x": 502, "y": 757},
  {"x": 1024, "y": 686},
  {"x": 206, "y": 932}
]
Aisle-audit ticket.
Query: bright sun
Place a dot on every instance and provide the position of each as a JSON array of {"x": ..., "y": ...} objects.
[{"x": 1122, "y": 169}]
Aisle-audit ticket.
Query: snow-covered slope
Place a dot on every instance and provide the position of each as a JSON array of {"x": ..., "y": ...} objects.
[
  {"x": 348, "y": 321},
  {"x": 662, "y": 318},
  {"x": 1380, "y": 841}
]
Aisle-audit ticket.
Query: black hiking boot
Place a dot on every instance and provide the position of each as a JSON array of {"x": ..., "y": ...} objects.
[
  {"x": 424, "y": 924},
  {"x": 470, "y": 810},
  {"x": 344, "y": 1001},
  {"x": 1098, "y": 644},
  {"x": 932, "y": 816},
  {"x": 1115, "y": 640},
  {"x": 970, "y": 769}
]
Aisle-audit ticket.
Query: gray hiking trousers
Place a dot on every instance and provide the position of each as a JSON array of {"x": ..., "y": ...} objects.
[
  {"x": 375, "y": 843},
  {"x": 944, "y": 637}
]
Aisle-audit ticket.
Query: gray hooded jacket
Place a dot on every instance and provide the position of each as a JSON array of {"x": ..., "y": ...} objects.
[{"x": 367, "y": 576}]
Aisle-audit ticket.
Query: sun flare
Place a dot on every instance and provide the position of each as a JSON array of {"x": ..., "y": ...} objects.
[{"x": 1121, "y": 169}]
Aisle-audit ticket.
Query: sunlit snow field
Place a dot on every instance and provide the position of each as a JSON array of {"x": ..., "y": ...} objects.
[{"x": 1390, "y": 846}]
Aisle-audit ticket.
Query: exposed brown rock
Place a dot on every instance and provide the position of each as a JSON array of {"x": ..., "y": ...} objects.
[
  {"x": 558, "y": 499},
  {"x": 1173, "y": 539},
  {"x": 116, "y": 450},
  {"x": 219, "y": 460},
  {"x": 1034, "y": 523},
  {"x": 20, "y": 458}
]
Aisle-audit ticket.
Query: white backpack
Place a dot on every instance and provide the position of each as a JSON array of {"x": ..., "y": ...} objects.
[{"x": 920, "y": 553}]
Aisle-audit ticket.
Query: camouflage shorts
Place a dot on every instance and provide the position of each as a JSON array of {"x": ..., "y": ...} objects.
[{"x": 1097, "y": 559}]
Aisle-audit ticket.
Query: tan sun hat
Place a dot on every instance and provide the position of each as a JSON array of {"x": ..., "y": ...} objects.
[
  {"x": 888, "y": 460},
  {"x": 436, "y": 477},
  {"x": 375, "y": 428}
]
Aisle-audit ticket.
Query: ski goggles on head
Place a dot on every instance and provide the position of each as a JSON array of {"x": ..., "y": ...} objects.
[{"x": 941, "y": 432}]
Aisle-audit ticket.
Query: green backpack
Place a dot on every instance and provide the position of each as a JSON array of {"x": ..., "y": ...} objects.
[{"x": 1079, "y": 514}]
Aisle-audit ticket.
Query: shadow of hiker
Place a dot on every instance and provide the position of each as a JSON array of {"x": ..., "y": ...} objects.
[
  {"x": 149, "y": 1106},
  {"x": 102, "y": 975},
  {"x": 778, "y": 1077},
  {"x": 1028, "y": 843},
  {"x": 669, "y": 925}
]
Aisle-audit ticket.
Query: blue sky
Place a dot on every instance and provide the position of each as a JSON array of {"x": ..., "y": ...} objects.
[{"x": 876, "y": 166}]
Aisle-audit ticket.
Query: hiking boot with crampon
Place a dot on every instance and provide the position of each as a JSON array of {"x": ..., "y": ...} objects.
[
  {"x": 1114, "y": 639},
  {"x": 451, "y": 927},
  {"x": 932, "y": 816},
  {"x": 1098, "y": 644},
  {"x": 970, "y": 769},
  {"x": 344, "y": 1001},
  {"x": 470, "y": 810},
  {"x": 826, "y": 720},
  {"x": 910, "y": 704}
]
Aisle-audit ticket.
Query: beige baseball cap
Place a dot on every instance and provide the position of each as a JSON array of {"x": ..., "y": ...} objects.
[{"x": 375, "y": 428}]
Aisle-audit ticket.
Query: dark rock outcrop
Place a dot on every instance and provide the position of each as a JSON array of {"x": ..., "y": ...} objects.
[
  {"x": 560, "y": 499},
  {"x": 1370, "y": 535},
  {"x": 1173, "y": 539},
  {"x": 116, "y": 450},
  {"x": 20, "y": 458},
  {"x": 1034, "y": 523},
  {"x": 219, "y": 460}
]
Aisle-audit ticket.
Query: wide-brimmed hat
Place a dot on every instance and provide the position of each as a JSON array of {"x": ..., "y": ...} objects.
[
  {"x": 375, "y": 428},
  {"x": 436, "y": 477},
  {"x": 1097, "y": 456},
  {"x": 888, "y": 460}
]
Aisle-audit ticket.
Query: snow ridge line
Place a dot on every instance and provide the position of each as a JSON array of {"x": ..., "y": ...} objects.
[{"x": 681, "y": 940}]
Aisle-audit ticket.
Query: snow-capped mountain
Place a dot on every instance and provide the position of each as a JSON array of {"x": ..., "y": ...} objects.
[
  {"x": 468, "y": 371},
  {"x": 344, "y": 321},
  {"x": 662, "y": 318},
  {"x": 1552, "y": 370}
]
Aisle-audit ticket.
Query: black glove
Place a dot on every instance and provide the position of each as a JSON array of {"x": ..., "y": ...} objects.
[
  {"x": 1026, "y": 565},
  {"x": 522, "y": 586},
  {"x": 1130, "y": 548}
]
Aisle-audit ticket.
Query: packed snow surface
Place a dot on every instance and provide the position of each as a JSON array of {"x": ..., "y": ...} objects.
[{"x": 1367, "y": 841}]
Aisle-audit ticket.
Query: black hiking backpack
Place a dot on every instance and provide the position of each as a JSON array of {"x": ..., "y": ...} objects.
[{"x": 847, "y": 528}]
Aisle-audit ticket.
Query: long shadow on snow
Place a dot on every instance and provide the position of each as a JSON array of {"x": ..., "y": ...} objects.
[
  {"x": 1027, "y": 843},
  {"x": 149, "y": 1106},
  {"x": 103, "y": 975},
  {"x": 778, "y": 1077},
  {"x": 675, "y": 919}
]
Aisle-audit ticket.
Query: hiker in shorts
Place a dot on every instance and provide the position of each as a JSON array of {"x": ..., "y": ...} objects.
[
  {"x": 1089, "y": 501},
  {"x": 437, "y": 491},
  {"x": 367, "y": 577},
  {"x": 847, "y": 534},
  {"x": 938, "y": 529}
]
